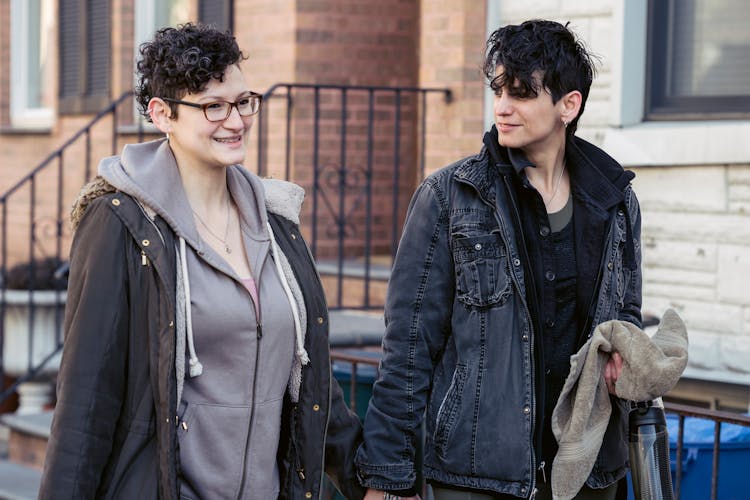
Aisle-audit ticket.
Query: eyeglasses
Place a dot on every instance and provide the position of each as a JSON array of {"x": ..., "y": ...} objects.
[{"x": 218, "y": 111}]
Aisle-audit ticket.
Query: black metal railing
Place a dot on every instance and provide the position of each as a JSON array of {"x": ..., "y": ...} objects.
[
  {"x": 718, "y": 418},
  {"x": 359, "y": 152},
  {"x": 35, "y": 210},
  {"x": 350, "y": 146}
]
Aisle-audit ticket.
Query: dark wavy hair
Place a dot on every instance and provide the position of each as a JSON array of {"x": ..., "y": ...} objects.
[
  {"x": 183, "y": 60},
  {"x": 547, "y": 47}
]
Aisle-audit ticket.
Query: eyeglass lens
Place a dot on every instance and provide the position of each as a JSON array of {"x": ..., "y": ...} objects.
[{"x": 220, "y": 110}]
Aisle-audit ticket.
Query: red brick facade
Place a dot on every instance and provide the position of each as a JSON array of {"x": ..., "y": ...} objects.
[{"x": 343, "y": 42}]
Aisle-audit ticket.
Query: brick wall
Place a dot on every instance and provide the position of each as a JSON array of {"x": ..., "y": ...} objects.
[{"x": 452, "y": 38}]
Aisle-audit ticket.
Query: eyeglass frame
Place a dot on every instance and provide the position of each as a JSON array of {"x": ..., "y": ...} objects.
[{"x": 234, "y": 104}]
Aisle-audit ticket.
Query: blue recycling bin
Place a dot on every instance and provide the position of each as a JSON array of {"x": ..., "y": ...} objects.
[
  {"x": 365, "y": 377},
  {"x": 697, "y": 459}
]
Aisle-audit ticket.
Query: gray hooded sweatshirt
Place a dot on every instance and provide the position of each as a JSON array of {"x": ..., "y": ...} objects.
[{"x": 240, "y": 362}]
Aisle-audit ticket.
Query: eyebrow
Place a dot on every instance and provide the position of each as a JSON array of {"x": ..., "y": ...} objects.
[{"x": 207, "y": 99}]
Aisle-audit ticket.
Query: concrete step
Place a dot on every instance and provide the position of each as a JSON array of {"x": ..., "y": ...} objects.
[
  {"x": 27, "y": 437},
  {"x": 355, "y": 328},
  {"x": 18, "y": 482},
  {"x": 23, "y": 440}
]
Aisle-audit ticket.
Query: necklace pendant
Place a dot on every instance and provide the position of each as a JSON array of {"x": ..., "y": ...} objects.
[{"x": 227, "y": 249}]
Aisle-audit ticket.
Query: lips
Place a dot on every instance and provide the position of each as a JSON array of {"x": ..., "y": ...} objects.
[
  {"x": 228, "y": 140},
  {"x": 506, "y": 127}
]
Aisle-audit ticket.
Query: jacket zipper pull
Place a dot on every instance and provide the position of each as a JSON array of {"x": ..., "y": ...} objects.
[
  {"x": 144, "y": 259},
  {"x": 544, "y": 473},
  {"x": 259, "y": 328}
]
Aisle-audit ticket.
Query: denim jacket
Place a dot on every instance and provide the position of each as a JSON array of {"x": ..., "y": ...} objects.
[{"x": 460, "y": 343}]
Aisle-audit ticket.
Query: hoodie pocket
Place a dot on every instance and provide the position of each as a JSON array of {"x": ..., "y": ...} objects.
[
  {"x": 482, "y": 272},
  {"x": 212, "y": 442},
  {"x": 448, "y": 411}
]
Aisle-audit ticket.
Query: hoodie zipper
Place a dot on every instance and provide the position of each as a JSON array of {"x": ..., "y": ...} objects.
[{"x": 259, "y": 336}]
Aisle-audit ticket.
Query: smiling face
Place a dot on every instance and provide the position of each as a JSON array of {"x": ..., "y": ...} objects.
[
  {"x": 200, "y": 144},
  {"x": 530, "y": 123}
]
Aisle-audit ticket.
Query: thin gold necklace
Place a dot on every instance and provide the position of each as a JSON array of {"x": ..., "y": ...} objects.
[
  {"x": 557, "y": 186},
  {"x": 226, "y": 229}
]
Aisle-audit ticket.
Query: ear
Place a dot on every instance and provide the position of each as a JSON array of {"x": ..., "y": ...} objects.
[
  {"x": 570, "y": 105},
  {"x": 161, "y": 114}
]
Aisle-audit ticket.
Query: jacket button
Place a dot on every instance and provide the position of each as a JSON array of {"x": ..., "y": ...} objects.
[
  {"x": 478, "y": 246},
  {"x": 308, "y": 494},
  {"x": 609, "y": 266},
  {"x": 544, "y": 231},
  {"x": 294, "y": 236},
  {"x": 145, "y": 243},
  {"x": 526, "y": 410},
  {"x": 301, "y": 473},
  {"x": 116, "y": 202},
  {"x": 316, "y": 407},
  {"x": 525, "y": 338},
  {"x": 320, "y": 320},
  {"x": 516, "y": 262},
  {"x": 550, "y": 276},
  {"x": 171, "y": 324}
]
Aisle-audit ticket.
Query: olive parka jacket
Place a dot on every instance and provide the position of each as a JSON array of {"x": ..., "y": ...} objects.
[{"x": 114, "y": 429}]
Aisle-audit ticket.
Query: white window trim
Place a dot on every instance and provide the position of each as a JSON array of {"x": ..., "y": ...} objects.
[
  {"x": 22, "y": 116},
  {"x": 637, "y": 143}
]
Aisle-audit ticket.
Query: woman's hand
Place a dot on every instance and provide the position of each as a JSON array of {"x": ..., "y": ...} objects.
[
  {"x": 612, "y": 371},
  {"x": 379, "y": 495}
]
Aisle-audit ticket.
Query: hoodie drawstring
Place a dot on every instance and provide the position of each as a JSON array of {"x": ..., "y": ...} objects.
[
  {"x": 196, "y": 368},
  {"x": 301, "y": 352}
]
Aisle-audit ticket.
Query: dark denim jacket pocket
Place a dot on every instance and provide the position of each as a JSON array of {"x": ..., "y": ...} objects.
[
  {"x": 449, "y": 408},
  {"x": 481, "y": 265}
]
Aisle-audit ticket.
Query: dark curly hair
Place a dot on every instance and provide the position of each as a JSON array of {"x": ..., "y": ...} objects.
[
  {"x": 183, "y": 60},
  {"x": 541, "y": 46}
]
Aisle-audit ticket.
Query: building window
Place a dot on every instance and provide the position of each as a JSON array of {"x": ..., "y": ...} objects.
[
  {"x": 150, "y": 16},
  {"x": 698, "y": 60},
  {"x": 218, "y": 13},
  {"x": 85, "y": 55},
  {"x": 31, "y": 30}
]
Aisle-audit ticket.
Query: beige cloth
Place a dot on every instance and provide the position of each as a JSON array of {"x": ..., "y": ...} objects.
[{"x": 651, "y": 367}]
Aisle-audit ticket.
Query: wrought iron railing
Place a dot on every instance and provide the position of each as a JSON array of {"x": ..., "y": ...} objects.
[
  {"x": 359, "y": 152},
  {"x": 349, "y": 146},
  {"x": 718, "y": 418},
  {"x": 35, "y": 209}
]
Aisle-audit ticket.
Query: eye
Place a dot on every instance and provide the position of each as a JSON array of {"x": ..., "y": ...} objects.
[
  {"x": 214, "y": 105},
  {"x": 244, "y": 101}
]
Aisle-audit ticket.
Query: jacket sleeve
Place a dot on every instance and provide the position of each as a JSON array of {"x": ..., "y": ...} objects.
[
  {"x": 418, "y": 315},
  {"x": 343, "y": 436},
  {"x": 91, "y": 379}
]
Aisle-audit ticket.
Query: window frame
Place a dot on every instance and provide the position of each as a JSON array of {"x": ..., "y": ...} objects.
[
  {"x": 22, "y": 115},
  {"x": 659, "y": 104}
]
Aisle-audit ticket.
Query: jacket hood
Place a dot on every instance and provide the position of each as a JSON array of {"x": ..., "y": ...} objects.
[{"x": 148, "y": 172}]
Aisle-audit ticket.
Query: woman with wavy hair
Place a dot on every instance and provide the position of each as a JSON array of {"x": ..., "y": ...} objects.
[{"x": 196, "y": 361}]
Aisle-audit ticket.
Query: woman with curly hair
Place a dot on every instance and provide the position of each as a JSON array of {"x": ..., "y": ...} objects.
[{"x": 196, "y": 360}]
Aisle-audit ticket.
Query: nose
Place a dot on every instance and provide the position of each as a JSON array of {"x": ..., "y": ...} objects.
[
  {"x": 234, "y": 120},
  {"x": 503, "y": 105}
]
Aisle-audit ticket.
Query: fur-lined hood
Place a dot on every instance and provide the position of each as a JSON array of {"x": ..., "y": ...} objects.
[{"x": 129, "y": 173}]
